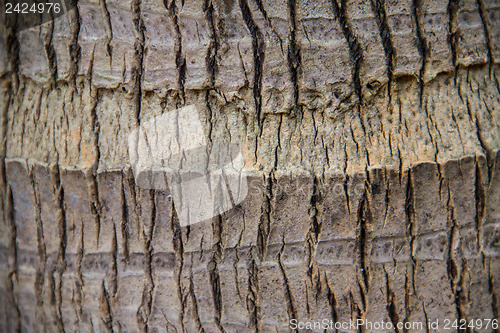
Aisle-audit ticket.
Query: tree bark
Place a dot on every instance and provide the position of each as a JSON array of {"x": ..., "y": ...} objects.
[{"x": 370, "y": 132}]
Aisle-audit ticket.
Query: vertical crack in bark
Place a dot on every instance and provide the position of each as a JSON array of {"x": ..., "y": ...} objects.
[
  {"x": 12, "y": 276},
  {"x": 332, "y": 301},
  {"x": 180, "y": 59},
  {"x": 6, "y": 200},
  {"x": 105, "y": 309},
  {"x": 410, "y": 225},
  {"x": 74, "y": 48},
  {"x": 346, "y": 188},
  {"x": 252, "y": 301},
  {"x": 479, "y": 195},
  {"x": 452, "y": 269},
  {"x": 263, "y": 231},
  {"x": 391, "y": 303},
  {"x": 378, "y": 7},
  {"x": 212, "y": 57},
  {"x": 210, "y": 117},
  {"x": 114, "y": 264},
  {"x": 125, "y": 220},
  {"x": 179, "y": 262},
  {"x": 294, "y": 56},
  {"x": 407, "y": 300},
  {"x": 278, "y": 145},
  {"x": 488, "y": 152},
  {"x": 196, "y": 314},
  {"x": 109, "y": 28},
  {"x": 258, "y": 46},
  {"x": 79, "y": 274},
  {"x": 426, "y": 318},
  {"x": 363, "y": 218},
  {"x": 42, "y": 254},
  {"x": 422, "y": 45},
  {"x": 61, "y": 256},
  {"x": 51, "y": 52},
  {"x": 483, "y": 14},
  {"x": 453, "y": 33},
  {"x": 265, "y": 219},
  {"x": 292, "y": 313},
  {"x": 91, "y": 175},
  {"x": 213, "y": 269},
  {"x": 138, "y": 66},
  {"x": 315, "y": 228},
  {"x": 145, "y": 309},
  {"x": 3, "y": 147},
  {"x": 355, "y": 311},
  {"x": 12, "y": 46},
  {"x": 211, "y": 60},
  {"x": 352, "y": 41},
  {"x": 261, "y": 8}
]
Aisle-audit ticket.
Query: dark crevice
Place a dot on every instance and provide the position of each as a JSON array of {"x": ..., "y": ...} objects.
[
  {"x": 355, "y": 51},
  {"x": 410, "y": 224},
  {"x": 105, "y": 309},
  {"x": 260, "y": 6},
  {"x": 12, "y": 47},
  {"x": 294, "y": 56},
  {"x": 125, "y": 222},
  {"x": 196, "y": 314},
  {"x": 74, "y": 48},
  {"x": 179, "y": 261},
  {"x": 13, "y": 260},
  {"x": 114, "y": 263},
  {"x": 138, "y": 66},
  {"x": 258, "y": 45},
  {"x": 213, "y": 269},
  {"x": 315, "y": 228},
  {"x": 422, "y": 46},
  {"x": 61, "y": 256},
  {"x": 453, "y": 34},
  {"x": 364, "y": 218},
  {"x": 93, "y": 186},
  {"x": 265, "y": 219},
  {"x": 212, "y": 57},
  {"x": 391, "y": 303},
  {"x": 495, "y": 306},
  {"x": 252, "y": 300},
  {"x": 292, "y": 313},
  {"x": 452, "y": 269},
  {"x": 332, "y": 301},
  {"x": 41, "y": 249},
  {"x": 378, "y": 7},
  {"x": 480, "y": 198},
  {"x": 109, "y": 28},
  {"x": 483, "y": 14},
  {"x": 145, "y": 309},
  {"x": 180, "y": 59},
  {"x": 51, "y": 52},
  {"x": 346, "y": 190},
  {"x": 355, "y": 312}
]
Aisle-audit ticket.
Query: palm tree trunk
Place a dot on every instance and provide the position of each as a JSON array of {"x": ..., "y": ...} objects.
[{"x": 370, "y": 132}]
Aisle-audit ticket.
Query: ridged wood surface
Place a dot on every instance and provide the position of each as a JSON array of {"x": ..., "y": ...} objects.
[{"x": 370, "y": 131}]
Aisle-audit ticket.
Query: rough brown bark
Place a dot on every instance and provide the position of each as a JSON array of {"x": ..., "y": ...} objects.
[{"x": 370, "y": 129}]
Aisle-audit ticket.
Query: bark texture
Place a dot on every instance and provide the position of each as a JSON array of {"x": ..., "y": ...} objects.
[{"x": 371, "y": 131}]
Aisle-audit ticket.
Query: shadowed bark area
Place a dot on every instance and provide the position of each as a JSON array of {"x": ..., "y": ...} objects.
[{"x": 370, "y": 131}]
